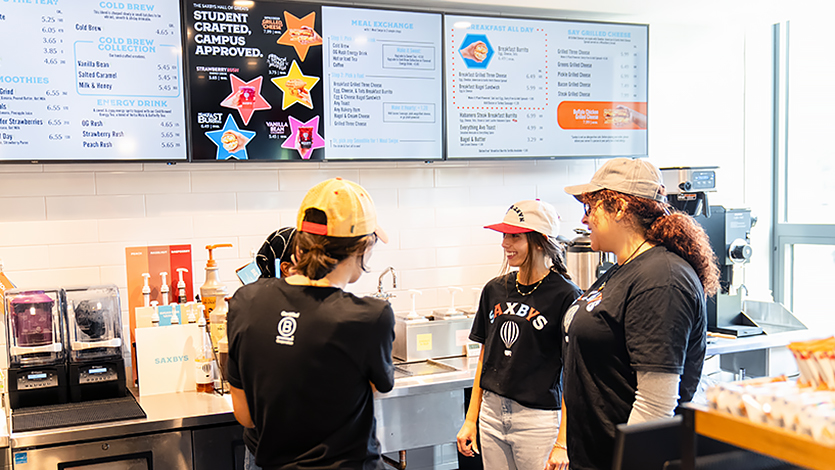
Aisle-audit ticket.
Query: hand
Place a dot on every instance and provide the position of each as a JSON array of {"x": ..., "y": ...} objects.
[
  {"x": 467, "y": 439},
  {"x": 558, "y": 460}
]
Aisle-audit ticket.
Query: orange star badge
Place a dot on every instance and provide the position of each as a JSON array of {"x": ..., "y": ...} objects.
[
  {"x": 296, "y": 87},
  {"x": 300, "y": 34},
  {"x": 245, "y": 97}
]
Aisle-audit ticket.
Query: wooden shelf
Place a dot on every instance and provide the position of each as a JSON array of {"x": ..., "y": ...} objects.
[{"x": 775, "y": 442}]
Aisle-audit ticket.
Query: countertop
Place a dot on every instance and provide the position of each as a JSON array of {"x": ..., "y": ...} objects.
[
  {"x": 171, "y": 411},
  {"x": 750, "y": 343}
]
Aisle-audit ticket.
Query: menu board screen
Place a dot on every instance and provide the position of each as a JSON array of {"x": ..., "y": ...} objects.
[
  {"x": 296, "y": 81},
  {"x": 91, "y": 80},
  {"x": 528, "y": 88},
  {"x": 383, "y": 84}
]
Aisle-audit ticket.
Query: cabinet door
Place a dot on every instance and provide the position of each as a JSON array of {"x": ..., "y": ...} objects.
[{"x": 219, "y": 448}]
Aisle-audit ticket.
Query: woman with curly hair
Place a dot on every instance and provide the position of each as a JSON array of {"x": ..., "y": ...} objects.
[{"x": 634, "y": 342}]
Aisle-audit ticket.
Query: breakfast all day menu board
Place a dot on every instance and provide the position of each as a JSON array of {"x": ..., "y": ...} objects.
[
  {"x": 296, "y": 81},
  {"x": 91, "y": 80},
  {"x": 527, "y": 88},
  {"x": 383, "y": 89}
]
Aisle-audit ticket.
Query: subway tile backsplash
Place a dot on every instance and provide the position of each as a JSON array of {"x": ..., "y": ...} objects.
[{"x": 68, "y": 224}]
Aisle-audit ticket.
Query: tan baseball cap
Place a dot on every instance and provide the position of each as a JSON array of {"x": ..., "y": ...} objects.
[
  {"x": 625, "y": 175},
  {"x": 529, "y": 216},
  {"x": 348, "y": 207}
]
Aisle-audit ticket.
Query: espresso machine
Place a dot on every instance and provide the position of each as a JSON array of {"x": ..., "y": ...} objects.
[
  {"x": 35, "y": 337},
  {"x": 729, "y": 232},
  {"x": 95, "y": 366}
]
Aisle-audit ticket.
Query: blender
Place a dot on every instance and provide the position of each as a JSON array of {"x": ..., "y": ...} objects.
[
  {"x": 34, "y": 332},
  {"x": 95, "y": 366}
]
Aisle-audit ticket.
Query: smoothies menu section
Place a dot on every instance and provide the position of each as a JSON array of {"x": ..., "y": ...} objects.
[
  {"x": 295, "y": 81},
  {"x": 523, "y": 88},
  {"x": 91, "y": 80}
]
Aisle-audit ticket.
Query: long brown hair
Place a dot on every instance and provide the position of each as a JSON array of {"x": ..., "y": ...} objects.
[
  {"x": 662, "y": 224},
  {"x": 318, "y": 255},
  {"x": 553, "y": 251}
]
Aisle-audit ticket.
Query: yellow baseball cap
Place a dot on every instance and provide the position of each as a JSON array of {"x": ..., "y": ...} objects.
[{"x": 348, "y": 207}]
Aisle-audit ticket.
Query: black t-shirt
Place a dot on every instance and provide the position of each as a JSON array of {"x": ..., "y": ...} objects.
[
  {"x": 648, "y": 315},
  {"x": 521, "y": 335},
  {"x": 304, "y": 357}
]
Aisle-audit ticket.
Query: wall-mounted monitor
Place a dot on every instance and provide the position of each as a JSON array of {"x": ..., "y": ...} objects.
[
  {"x": 536, "y": 88},
  {"x": 300, "y": 81},
  {"x": 91, "y": 81}
]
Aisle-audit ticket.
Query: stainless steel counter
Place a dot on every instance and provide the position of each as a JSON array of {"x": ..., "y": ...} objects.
[
  {"x": 173, "y": 411},
  {"x": 751, "y": 343}
]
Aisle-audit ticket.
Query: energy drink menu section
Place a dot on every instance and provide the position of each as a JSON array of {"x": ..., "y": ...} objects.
[
  {"x": 255, "y": 81},
  {"x": 91, "y": 80},
  {"x": 524, "y": 88},
  {"x": 382, "y": 84}
]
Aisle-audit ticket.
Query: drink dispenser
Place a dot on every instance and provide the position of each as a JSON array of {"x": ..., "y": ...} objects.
[
  {"x": 35, "y": 336},
  {"x": 96, "y": 368}
]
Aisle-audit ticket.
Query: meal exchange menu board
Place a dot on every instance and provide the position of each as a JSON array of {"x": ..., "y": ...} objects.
[
  {"x": 528, "y": 88},
  {"x": 297, "y": 81},
  {"x": 91, "y": 80},
  {"x": 383, "y": 89}
]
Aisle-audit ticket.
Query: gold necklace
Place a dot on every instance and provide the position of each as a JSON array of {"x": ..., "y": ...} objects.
[{"x": 534, "y": 287}]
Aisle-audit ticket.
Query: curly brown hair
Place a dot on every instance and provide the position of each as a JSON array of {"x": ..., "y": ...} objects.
[{"x": 662, "y": 224}]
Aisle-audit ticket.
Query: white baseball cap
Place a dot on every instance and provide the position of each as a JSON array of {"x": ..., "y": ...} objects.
[{"x": 529, "y": 216}]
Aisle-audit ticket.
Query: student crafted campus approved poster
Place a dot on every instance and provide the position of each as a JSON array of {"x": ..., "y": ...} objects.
[{"x": 296, "y": 81}]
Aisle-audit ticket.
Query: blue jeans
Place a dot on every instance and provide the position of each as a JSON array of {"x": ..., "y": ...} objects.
[
  {"x": 514, "y": 436},
  {"x": 249, "y": 461}
]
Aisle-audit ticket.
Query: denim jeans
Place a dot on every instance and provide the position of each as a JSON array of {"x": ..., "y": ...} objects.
[
  {"x": 514, "y": 436},
  {"x": 249, "y": 461}
]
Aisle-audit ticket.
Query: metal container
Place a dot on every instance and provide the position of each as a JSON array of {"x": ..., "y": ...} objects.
[{"x": 584, "y": 264}]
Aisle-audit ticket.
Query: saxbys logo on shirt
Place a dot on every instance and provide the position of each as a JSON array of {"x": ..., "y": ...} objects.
[
  {"x": 287, "y": 328},
  {"x": 519, "y": 309}
]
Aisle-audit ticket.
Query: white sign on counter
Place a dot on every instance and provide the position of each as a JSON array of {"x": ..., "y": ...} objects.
[
  {"x": 528, "y": 88},
  {"x": 91, "y": 80},
  {"x": 383, "y": 84},
  {"x": 165, "y": 358}
]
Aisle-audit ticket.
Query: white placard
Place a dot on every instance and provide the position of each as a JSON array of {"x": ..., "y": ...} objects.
[{"x": 165, "y": 358}]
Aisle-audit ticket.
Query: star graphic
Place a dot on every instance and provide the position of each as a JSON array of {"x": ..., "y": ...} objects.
[
  {"x": 300, "y": 34},
  {"x": 296, "y": 87},
  {"x": 298, "y": 131},
  {"x": 231, "y": 141},
  {"x": 245, "y": 97}
]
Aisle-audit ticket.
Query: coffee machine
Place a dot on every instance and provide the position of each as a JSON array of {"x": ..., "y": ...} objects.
[
  {"x": 95, "y": 366},
  {"x": 35, "y": 337},
  {"x": 729, "y": 232}
]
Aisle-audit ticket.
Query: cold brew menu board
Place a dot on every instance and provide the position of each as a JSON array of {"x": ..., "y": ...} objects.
[
  {"x": 524, "y": 88},
  {"x": 296, "y": 81},
  {"x": 382, "y": 84},
  {"x": 91, "y": 80}
]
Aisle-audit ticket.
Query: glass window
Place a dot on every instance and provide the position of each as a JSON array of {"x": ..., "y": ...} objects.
[{"x": 813, "y": 285}]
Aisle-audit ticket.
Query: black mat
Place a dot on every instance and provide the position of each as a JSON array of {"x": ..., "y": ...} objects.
[{"x": 75, "y": 414}]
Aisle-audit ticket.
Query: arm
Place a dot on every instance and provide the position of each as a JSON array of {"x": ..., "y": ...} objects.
[
  {"x": 656, "y": 397},
  {"x": 241, "y": 409},
  {"x": 558, "y": 460},
  {"x": 467, "y": 444}
]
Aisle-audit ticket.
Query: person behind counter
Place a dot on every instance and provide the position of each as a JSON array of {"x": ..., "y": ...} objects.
[
  {"x": 304, "y": 355},
  {"x": 275, "y": 258},
  {"x": 516, "y": 392},
  {"x": 635, "y": 340}
]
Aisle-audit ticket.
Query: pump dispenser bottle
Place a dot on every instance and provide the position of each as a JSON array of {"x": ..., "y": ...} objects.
[
  {"x": 181, "y": 287},
  {"x": 204, "y": 362},
  {"x": 146, "y": 290},
  {"x": 212, "y": 288},
  {"x": 163, "y": 289}
]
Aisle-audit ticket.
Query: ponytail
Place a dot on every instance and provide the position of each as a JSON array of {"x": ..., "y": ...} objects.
[{"x": 318, "y": 255}]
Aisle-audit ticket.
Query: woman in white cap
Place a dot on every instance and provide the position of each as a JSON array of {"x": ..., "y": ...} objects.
[
  {"x": 635, "y": 341},
  {"x": 516, "y": 395},
  {"x": 304, "y": 354}
]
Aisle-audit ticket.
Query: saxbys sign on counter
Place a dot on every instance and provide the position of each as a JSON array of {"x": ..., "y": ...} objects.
[{"x": 296, "y": 81}]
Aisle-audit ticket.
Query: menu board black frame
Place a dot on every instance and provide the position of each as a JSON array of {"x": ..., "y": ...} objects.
[
  {"x": 102, "y": 75},
  {"x": 644, "y": 76},
  {"x": 279, "y": 124}
]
